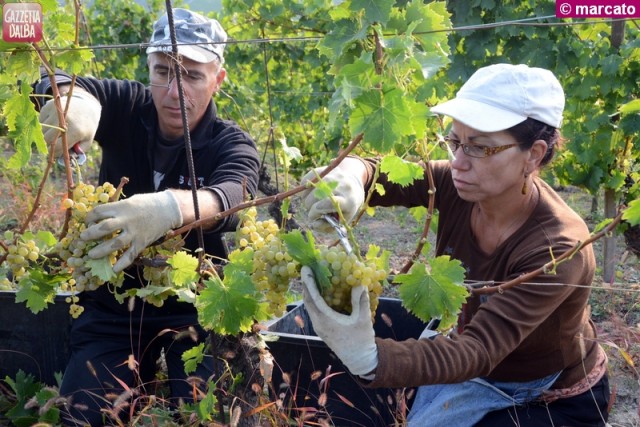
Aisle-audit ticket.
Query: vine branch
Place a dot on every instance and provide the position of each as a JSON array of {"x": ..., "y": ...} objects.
[{"x": 551, "y": 265}]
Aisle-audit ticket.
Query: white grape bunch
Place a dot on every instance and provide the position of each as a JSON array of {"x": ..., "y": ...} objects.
[
  {"x": 71, "y": 248},
  {"x": 273, "y": 267},
  {"x": 21, "y": 253},
  {"x": 348, "y": 271}
]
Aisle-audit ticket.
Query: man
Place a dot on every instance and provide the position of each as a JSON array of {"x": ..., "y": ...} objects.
[{"x": 140, "y": 130}]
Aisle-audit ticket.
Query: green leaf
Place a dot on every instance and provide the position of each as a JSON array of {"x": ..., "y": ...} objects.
[
  {"x": 52, "y": 414},
  {"x": 101, "y": 268},
  {"x": 382, "y": 117},
  {"x": 24, "y": 127},
  {"x": 38, "y": 289},
  {"x": 375, "y": 11},
  {"x": 400, "y": 171},
  {"x": 230, "y": 306},
  {"x": 184, "y": 269},
  {"x": 289, "y": 153},
  {"x": 24, "y": 387},
  {"x": 192, "y": 358},
  {"x": 630, "y": 107},
  {"x": 437, "y": 291},
  {"x": 304, "y": 251},
  {"x": 632, "y": 213},
  {"x": 343, "y": 33},
  {"x": 208, "y": 405}
]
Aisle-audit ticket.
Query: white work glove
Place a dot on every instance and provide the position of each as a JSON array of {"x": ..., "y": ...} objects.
[
  {"x": 351, "y": 337},
  {"x": 140, "y": 220},
  {"x": 349, "y": 193},
  {"x": 82, "y": 121}
]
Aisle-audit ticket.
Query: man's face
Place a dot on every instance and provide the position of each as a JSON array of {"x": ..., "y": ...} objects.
[{"x": 199, "y": 82}]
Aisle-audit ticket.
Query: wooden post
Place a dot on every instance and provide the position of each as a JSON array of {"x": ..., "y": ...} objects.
[{"x": 609, "y": 243}]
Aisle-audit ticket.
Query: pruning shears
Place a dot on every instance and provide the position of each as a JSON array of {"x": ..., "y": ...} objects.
[
  {"x": 76, "y": 155},
  {"x": 340, "y": 230}
]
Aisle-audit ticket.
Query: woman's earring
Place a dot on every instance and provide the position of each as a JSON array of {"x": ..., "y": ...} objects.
[{"x": 525, "y": 187}]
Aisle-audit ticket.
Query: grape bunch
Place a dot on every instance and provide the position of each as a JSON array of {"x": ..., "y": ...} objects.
[
  {"x": 348, "y": 271},
  {"x": 273, "y": 267},
  {"x": 72, "y": 249},
  {"x": 21, "y": 252}
]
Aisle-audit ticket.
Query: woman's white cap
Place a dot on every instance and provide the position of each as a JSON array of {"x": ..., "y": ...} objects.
[{"x": 500, "y": 96}]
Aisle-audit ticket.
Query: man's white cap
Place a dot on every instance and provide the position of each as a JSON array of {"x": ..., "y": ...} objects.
[
  {"x": 500, "y": 96},
  {"x": 198, "y": 38}
]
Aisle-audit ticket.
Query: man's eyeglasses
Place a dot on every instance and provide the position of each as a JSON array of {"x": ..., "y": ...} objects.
[
  {"x": 472, "y": 150},
  {"x": 163, "y": 77}
]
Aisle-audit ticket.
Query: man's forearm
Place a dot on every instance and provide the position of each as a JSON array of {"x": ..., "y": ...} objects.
[{"x": 209, "y": 204}]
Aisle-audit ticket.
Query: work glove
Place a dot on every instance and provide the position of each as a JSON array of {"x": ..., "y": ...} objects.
[
  {"x": 140, "y": 220},
  {"x": 351, "y": 337},
  {"x": 349, "y": 194},
  {"x": 82, "y": 120}
]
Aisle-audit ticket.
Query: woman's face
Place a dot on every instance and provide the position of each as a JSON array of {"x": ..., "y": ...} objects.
[
  {"x": 493, "y": 177},
  {"x": 199, "y": 81}
]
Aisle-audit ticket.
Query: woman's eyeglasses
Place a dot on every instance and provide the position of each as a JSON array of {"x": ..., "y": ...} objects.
[{"x": 472, "y": 150}]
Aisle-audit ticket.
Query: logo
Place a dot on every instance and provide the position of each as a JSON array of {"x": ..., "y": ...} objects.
[{"x": 22, "y": 22}]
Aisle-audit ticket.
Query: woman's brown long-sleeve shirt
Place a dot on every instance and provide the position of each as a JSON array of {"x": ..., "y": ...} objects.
[{"x": 525, "y": 333}]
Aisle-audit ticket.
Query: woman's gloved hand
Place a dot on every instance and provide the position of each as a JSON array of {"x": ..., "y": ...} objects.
[
  {"x": 349, "y": 194},
  {"x": 82, "y": 121},
  {"x": 140, "y": 220},
  {"x": 351, "y": 337}
]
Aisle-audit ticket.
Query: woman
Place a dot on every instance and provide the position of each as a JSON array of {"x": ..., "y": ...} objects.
[{"x": 527, "y": 356}]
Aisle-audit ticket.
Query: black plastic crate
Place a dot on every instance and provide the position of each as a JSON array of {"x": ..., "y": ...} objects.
[
  {"x": 299, "y": 353},
  {"x": 36, "y": 343}
]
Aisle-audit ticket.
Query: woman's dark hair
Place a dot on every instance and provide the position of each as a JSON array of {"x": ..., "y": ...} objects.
[{"x": 531, "y": 130}]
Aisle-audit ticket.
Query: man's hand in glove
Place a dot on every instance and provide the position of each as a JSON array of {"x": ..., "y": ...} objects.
[
  {"x": 349, "y": 194},
  {"x": 82, "y": 120},
  {"x": 351, "y": 337},
  {"x": 140, "y": 220}
]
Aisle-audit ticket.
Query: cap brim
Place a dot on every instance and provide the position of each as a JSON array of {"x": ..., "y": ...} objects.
[
  {"x": 194, "y": 53},
  {"x": 478, "y": 115}
]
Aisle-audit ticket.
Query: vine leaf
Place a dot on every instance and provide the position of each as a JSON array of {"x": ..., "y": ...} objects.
[
  {"x": 230, "y": 306},
  {"x": 632, "y": 213},
  {"x": 400, "y": 171},
  {"x": 184, "y": 269},
  {"x": 342, "y": 35},
  {"x": 304, "y": 251},
  {"x": 375, "y": 11},
  {"x": 24, "y": 127},
  {"x": 434, "y": 291},
  {"x": 37, "y": 290},
  {"x": 192, "y": 358},
  {"x": 102, "y": 268},
  {"x": 383, "y": 117}
]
